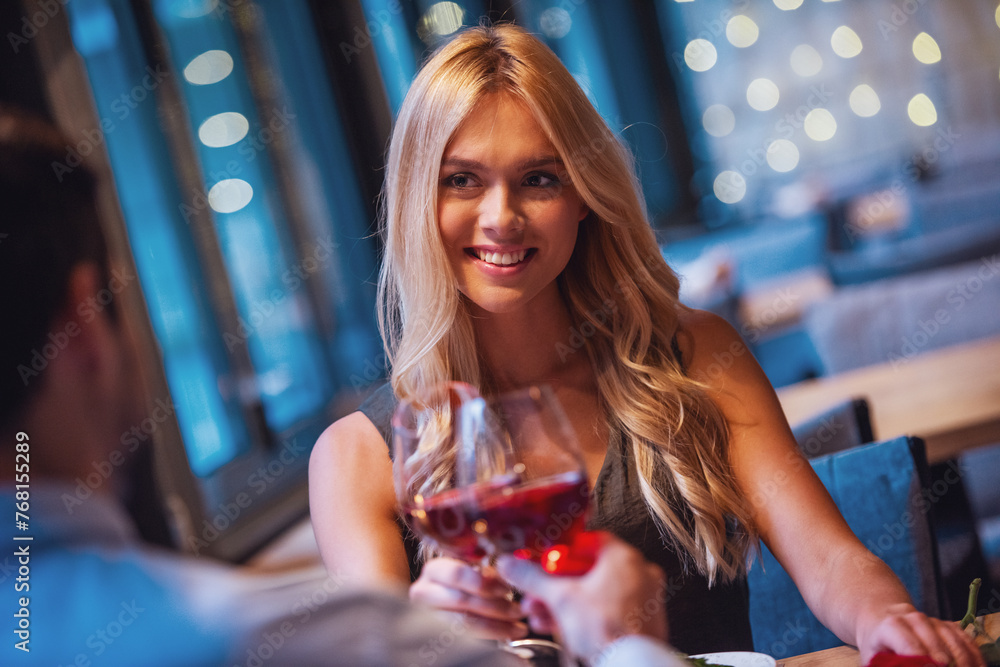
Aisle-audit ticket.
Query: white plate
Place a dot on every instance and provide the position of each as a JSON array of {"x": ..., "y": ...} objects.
[{"x": 738, "y": 659}]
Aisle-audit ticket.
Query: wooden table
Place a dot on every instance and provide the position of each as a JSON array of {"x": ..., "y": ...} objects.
[
  {"x": 845, "y": 656},
  {"x": 948, "y": 397}
]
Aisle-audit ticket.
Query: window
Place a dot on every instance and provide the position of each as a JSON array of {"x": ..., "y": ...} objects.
[{"x": 251, "y": 237}]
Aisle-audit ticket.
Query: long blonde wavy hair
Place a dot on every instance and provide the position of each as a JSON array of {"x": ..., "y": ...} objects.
[{"x": 676, "y": 434}]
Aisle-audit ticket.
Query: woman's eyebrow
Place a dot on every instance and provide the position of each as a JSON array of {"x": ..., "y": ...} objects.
[{"x": 474, "y": 165}]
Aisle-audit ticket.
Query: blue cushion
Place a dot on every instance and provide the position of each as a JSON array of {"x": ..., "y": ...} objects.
[{"x": 878, "y": 490}]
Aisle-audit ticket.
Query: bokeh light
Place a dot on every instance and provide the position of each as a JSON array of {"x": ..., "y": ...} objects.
[
  {"x": 700, "y": 55},
  {"x": 223, "y": 129},
  {"x": 718, "y": 120},
  {"x": 787, "y": 4},
  {"x": 741, "y": 31},
  {"x": 730, "y": 187},
  {"x": 782, "y": 155},
  {"x": 845, "y": 42},
  {"x": 864, "y": 101},
  {"x": 762, "y": 94},
  {"x": 209, "y": 67},
  {"x": 555, "y": 22},
  {"x": 820, "y": 125},
  {"x": 925, "y": 49},
  {"x": 806, "y": 60},
  {"x": 440, "y": 19},
  {"x": 230, "y": 195},
  {"x": 921, "y": 111}
]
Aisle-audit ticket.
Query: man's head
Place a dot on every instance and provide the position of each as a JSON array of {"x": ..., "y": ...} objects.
[
  {"x": 49, "y": 225},
  {"x": 64, "y": 367}
]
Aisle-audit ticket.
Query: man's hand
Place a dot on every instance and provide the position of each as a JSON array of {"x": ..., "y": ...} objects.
[{"x": 621, "y": 595}]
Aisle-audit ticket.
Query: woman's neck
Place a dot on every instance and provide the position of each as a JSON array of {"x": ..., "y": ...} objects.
[{"x": 530, "y": 346}]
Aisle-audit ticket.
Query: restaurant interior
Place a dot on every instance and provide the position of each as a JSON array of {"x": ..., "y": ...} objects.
[{"x": 825, "y": 174}]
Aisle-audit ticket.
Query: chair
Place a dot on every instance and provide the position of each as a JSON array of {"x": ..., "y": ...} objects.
[
  {"x": 959, "y": 551},
  {"x": 842, "y": 426},
  {"x": 878, "y": 488}
]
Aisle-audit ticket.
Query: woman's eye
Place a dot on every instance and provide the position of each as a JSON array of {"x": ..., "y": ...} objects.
[
  {"x": 540, "y": 180},
  {"x": 458, "y": 181}
]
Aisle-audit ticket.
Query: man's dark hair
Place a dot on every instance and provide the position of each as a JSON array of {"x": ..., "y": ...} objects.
[{"x": 48, "y": 225}]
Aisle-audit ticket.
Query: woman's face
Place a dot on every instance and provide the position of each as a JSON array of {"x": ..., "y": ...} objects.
[{"x": 507, "y": 213}]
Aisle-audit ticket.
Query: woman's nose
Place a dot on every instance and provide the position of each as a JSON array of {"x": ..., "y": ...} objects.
[{"x": 500, "y": 213}]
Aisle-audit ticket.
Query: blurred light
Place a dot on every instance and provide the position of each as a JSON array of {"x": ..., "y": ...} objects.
[
  {"x": 921, "y": 111},
  {"x": 191, "y": 9},
  {"x": 820, "y": 125},
  {"x": 555, "y": 22},
  {"x": 730, "y": 187},
  {"x": 700, "y": 55},
  {"x": 230, "y": 195},
  {"x": 925, "y": 49},
  {"x": 223, "y": 129},
  {"x": 441, "y": 18},
  {"x": 806, "y": 61},
  {"x": 209, "y": 67},
  {"x": 997, "y": 16},
  {"x": 864, "y": 101},
  {"x": 788, "y": 4},
  {"x": 845, "y": 42},
  {"x": 718, "y": 120},
  {"x": 762, "y": 94},
  {"x": 741, "y": 31},
  {"x": 783, "y": 155}
]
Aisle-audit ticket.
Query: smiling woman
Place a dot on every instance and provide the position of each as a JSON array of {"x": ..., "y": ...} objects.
[{"x": 514, "y": 223}]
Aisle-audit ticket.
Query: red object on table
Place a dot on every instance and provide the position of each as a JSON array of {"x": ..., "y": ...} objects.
[
  {"x": 889, "y": 659},
  {"x": 575, "y": 558}
]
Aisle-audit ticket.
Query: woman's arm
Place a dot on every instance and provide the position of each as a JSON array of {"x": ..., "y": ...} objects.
[
  {"x": 851, "y": 591},
  {"x": 353, "y": 504}
]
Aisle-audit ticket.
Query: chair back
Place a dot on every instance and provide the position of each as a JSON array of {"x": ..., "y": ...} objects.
[
  {"x": 842, "y": 426},
  {"x": 878, "y": 488}
]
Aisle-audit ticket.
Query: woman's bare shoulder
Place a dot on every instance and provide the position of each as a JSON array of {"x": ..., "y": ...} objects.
[
  {"x": 351, "y": 439},
  {"x": 705, "y": 338}
]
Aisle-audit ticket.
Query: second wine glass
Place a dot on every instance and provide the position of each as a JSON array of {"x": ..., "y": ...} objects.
[{"x": 478, "y": 477}]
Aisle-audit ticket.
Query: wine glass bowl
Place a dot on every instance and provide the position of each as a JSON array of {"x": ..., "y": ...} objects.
[{"x": 478, "y": 476}]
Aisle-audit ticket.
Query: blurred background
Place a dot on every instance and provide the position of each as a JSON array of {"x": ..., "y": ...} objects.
[{"x": 823, "y": 173}]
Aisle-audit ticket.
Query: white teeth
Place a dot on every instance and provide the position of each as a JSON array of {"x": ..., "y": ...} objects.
[{"x": 504, "y": 259}]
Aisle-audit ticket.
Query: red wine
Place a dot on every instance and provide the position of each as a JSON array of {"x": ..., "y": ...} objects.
[
  {"x": 448, "y": 518},
  {"x": 528, "y": 519},
  {"x": 523, "y": 519}
]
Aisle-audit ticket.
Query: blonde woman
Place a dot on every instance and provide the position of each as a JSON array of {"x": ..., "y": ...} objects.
[{"x": 518, "y": 251}]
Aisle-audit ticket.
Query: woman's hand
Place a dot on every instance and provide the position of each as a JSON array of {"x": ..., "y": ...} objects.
[
  {"x": 478, "y": 594},
  {"x": 904, "y": 630}
]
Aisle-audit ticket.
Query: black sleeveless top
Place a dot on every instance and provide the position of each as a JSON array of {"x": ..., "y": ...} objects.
[{"x": 701, "y": 619}]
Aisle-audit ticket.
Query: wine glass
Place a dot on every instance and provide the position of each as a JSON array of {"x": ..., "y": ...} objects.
[{"x": 478, "y": 476}]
